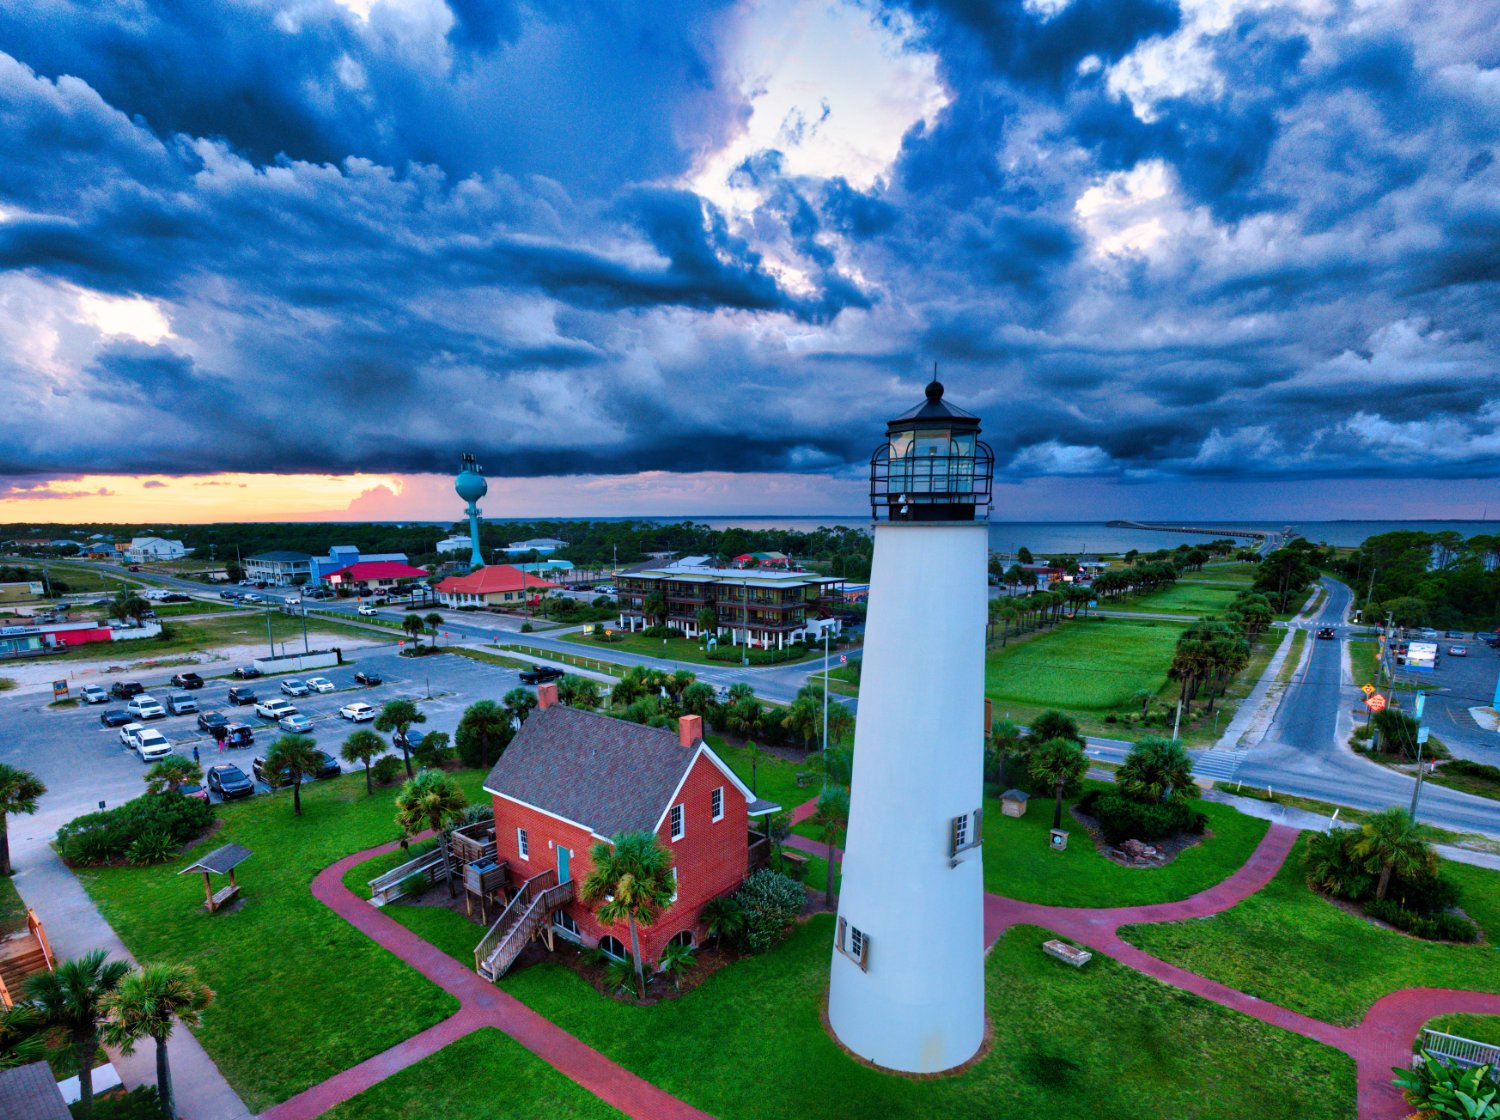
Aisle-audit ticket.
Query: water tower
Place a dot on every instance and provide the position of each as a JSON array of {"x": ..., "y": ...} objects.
[
  {"x": 471, "y": 486},
  {"x": 906, "y": 987}
]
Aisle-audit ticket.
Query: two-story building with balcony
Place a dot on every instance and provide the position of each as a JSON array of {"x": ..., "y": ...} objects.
[{"x": 767, "y": 608}]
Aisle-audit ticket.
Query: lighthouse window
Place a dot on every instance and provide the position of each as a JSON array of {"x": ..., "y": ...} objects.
[
  {"x": 964, "y": 833},
  {"x": 854, "y": 943}
]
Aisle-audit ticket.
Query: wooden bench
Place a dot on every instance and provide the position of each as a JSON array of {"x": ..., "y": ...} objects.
[
  {"x": 222, "y": 897},
  {"x": 805, "y": 778},
  {"x": 794, "y": 864}
]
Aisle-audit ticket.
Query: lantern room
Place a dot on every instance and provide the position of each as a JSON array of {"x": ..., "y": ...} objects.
[{"x": 933, "y": 465}]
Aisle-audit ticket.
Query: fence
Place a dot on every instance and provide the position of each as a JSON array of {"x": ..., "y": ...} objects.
[{"x": 1463, "y": 1052}]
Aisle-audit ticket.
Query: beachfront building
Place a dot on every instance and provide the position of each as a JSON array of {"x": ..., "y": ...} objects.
[
  {"x": 769, "y": 608},
  {"x": 143, "y": 550},
  {"x": 282, "y": 568},
  {"x": 342, "y": 556}
]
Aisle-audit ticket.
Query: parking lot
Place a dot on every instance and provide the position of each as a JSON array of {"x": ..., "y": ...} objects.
[
  {"x": 82, "y": 762},
  {"x": 1464, "y": 682}
]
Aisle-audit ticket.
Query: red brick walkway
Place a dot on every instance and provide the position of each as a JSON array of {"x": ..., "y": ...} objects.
[
  {"x": 481, "y": 1004},
  {"x": 1381, "y": 1041}
]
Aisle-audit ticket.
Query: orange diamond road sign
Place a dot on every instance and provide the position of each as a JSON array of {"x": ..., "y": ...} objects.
[
  {"x": 1375, "y": 703},
  {"x": 1367, "y": 688}
]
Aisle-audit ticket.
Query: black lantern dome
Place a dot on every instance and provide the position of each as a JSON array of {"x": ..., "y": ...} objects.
[{"x": 933, "y": 465}]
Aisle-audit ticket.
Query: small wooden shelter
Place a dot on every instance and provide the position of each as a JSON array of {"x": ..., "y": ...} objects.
[{"x": 220, "y": 861}]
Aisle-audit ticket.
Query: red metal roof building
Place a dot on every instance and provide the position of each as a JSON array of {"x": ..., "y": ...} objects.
[
  {"x": 494, "y": 585},
  {"x": 376, "y": 573}
]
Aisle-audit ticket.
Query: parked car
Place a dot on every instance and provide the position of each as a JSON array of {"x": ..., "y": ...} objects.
[
  {"x": 293, "y": 687},
  {"x": 181, "y": 703},
  {"x": 296, "y": 724},
  {"x": 239, "y": 735},
  {"x": 146, "y": 706},
  {"x": 252, "y": 597},
  {"x": 187, "y": 680},
  {"x": 239, "y": 694},
  {"x": 330, "y": 767},
  {"x": 368, "y": 677},
  {"x": 124, "y": 690},
  {"x": 194, "y": 790},
  {"x": 229, "y": 595},
  {"x": 114, "y": 717},
  {"x": 292, "y": 601},
  {"x": 247, "y": 672},
  {"x": 541, "y": 674},
  {"x": 207, "y": 721},
  {"x": 151, "y": 744},
  {"x": 320, "y": 684},
  {"x": 229, "y": 781},
  {"x": 366, "y": 610},
  {"x": 1326, "y": 633},
  {"x": 1458, "y": 651},
  {"x": 274, "y": 708},
  {"x": 357, "y": 712},
  {"x": 93, "y": 694},
  {"x": 128, "y": 734}
]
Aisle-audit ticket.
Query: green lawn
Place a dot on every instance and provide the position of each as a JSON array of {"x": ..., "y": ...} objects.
[
  {"x": 1087, "y": 665},
  {"x": 1183, "y": 598},
  {"x": 1479, "y": 1028},
  {"x": 749, "y": 1043},
  {"x": 1239, "y": 574},
  {"x": 238, "y": 629},
  {"x": 12, "y": 909},
  {"x": 483, "y": 1076},
  {"x": 197, "y": 606},
  {"x": 672, "y": 649},
  {"x": 284, "y": 965},
  {"x": 1288, "y": 945},
  {"x": 1019, "y": 864}
]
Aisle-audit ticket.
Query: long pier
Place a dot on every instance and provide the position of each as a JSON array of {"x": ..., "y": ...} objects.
[{"x": 1250, "y": 534}]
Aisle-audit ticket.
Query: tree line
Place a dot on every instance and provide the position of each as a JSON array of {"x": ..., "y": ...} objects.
[{"x": 1440, "y": 579}]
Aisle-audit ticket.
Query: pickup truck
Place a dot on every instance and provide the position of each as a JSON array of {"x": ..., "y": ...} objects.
[{"x": 274, "y": 708}]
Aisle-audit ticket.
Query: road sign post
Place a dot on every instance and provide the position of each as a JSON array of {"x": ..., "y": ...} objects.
[{"x": 1375, "y": 702}]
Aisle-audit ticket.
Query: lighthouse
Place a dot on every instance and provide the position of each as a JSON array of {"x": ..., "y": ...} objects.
[
  {"x": 471, "y": 486},
  {"x": 906, "y": 986}
]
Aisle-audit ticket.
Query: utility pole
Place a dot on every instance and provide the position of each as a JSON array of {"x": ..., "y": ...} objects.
[
  {"x": 1416, "y": 792},
  {"x": 270, "y": 640},
  {"x": 825, "y": 707}
]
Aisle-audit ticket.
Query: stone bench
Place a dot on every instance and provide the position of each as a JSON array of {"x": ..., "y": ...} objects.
[{"x": 1068, "y": 954}]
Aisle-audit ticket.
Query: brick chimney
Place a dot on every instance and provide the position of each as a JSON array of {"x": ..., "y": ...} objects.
[
  {"x": 689, "y": 730},
  {"x": 546, "y": 696}
]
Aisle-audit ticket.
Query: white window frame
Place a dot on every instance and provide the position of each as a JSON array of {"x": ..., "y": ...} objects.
[
  {"x": 674, "y": 886},
  {"x": 677, "y": 822},
  {"x": 716, "y": 802},
  {"x": 854, "y": 943},
  {"x": 523, "y": 844},
  {"x": 624, "y": 954},
  {"x": 965, "y": 834}
]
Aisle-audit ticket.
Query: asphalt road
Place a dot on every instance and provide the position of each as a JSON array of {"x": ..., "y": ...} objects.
[{"x": 1304, "y": 751}]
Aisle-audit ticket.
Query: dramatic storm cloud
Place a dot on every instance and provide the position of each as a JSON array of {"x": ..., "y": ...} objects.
[{"x": 1232, "y": 239}]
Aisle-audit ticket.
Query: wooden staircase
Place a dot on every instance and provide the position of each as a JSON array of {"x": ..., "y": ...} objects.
[
  {"x": 528, "y": 914},
  {"x": 21, "y": 954}
]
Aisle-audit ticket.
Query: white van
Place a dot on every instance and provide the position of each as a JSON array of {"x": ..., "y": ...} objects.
[{"x": 145, "y": 706}]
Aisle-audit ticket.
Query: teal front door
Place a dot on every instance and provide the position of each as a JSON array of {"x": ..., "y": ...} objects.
[{"x": 562, "y": 863}]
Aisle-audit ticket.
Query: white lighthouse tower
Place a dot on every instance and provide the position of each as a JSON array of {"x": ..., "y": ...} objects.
[{"x": 906, "y": 990}]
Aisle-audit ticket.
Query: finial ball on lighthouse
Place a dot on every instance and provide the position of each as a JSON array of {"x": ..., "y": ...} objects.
[{"x": 470, "y": 483}]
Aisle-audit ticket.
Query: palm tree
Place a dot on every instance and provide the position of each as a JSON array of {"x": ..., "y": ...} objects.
[
  {"x": 631, "y": 880},
  {"x": 1389, "y": 841},
  {"x": 23, "y": 1040},
  {"x": 677, "y": 960},
  {"x": 1143, "y": 697},
  {"x": 518, "y": 703},
  {"x": 71, "y": 1002},
  {"x": 291, "y": 759},
  {"x": 1058, "y": 763},
  {"x": 362, "y": 747},
  {"x": 413, "y": 627},
  {"x": 433, "y": 620},
  {"x": 431, "y": 800},
  {"x": 20, "y": 790},
  {"x": 172, "y": 773},
  {"x": 655, "y": 608},
  {"x": 579, "y": 692},
  {"x": 144, "y": 1005},
  {"x": 1156, "y": 770},
  {"x": 396, "y": 718},
  {"x": 831, "y": 818}
]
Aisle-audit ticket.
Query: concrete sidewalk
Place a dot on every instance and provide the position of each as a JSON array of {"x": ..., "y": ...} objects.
[{"x": 74, "y": 927}]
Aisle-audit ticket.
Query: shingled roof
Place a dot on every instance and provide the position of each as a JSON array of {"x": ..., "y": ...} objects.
[{"x": 606, "y": 774}]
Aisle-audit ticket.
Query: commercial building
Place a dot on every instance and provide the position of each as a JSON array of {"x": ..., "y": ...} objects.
[
  {"x": 766, "y": 607},
  {"x": 572, "y": 778},
  {"x": 144, "y": 549},
  {"x": 341, "y": 556},
  {"x": 44, "y": 637},
  {"x": 494, "y": 585},
  {"x": 281, "y": 568},
  {"x": 377, "y": 575}
]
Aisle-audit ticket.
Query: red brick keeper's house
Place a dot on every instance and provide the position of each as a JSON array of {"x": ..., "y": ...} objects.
[{"x": 571, "y": 778}]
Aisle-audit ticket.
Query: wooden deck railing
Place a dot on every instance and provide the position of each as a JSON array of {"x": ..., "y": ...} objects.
[
  {"x": 386, "y": 888},
  {"x": 34, "y": 924},
  {"x": 512, "y": 915}
]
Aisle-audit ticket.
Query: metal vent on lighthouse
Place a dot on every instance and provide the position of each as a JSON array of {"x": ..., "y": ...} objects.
[{"x": 933, "y": 465}]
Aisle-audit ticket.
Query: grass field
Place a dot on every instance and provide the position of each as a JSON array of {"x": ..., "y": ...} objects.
[
  {"x": 83, "y": 577},
  {"x": 1019, "y": 864},
  {"x": 283, "y": 965},
  {"x": 1195, "y": 599},
  {"x": 672, "y": 649},
  {"x": 1288, "y": 945},
  {"x": 1104, "y": 1042},
  {"x": 1480, "y": 1028},
  {"x": 201, "y": 635},
  {"x": 579, "y": 661},
  {"x": 197, "y": 606},
  {"x": 1093, "y": 665},
  {"x": 1240, "y": 576},
  {"x": 12, "y": 909},
  {"x": 483, "y": 1076}
]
